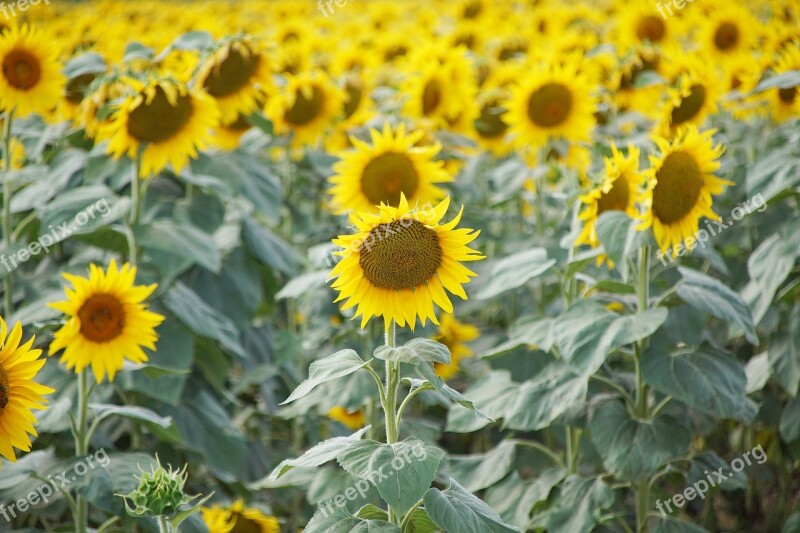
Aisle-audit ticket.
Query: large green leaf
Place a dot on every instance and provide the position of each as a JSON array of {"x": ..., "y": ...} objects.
[
  {"x": 514, "y": 497},
  {"x": 632, "y": 448},
  {"x": 669, "y": 524},
  {"x": 617, "y": 232},
  {"x": 456, "y": 510},
  {"x": 402, "y": 471},
  {"x": 588, "y": 332},
  {"x": 269, "y": 248},
  {"x": 339, "y": 521},
  {"x": 707, "y": 380},
  {"x": 180, "y": 239},
  {"x": 415, "y": 351},
  {"x": 478, "y": 471},
  {"x": 768, "y": 266},
  {"x": 515, "y": 271},
  {"x": 493, "y": 394},
  {"x": 790, "y": 421},
  {"x": 527, "y": 330},
  {"x": 580, "y": 505},
  {"x": 161, "y": 425},
  {"x": 318, "y": 455},
  {"x": 337, "y": 365},
  {"x": 707, "y": 294},
  {"x": 546, "y": 397},
  {"x": 784, "y": 353}
]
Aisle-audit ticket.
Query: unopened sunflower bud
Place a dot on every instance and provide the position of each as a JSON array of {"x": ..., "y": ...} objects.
[{"x": 160, "y": 492}]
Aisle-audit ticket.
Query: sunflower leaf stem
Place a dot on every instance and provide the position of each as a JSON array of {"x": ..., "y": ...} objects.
[
  {"x": 81, "y": 446},
  {"x": 390, "y": 403},
  {"x": 8, "y": 282}
]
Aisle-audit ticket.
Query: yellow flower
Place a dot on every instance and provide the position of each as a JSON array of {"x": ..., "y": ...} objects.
[
  {"x": 30, "y": 78},
  {"x": 107, "y": 321},
  {"x": 350, "y": 419},
  {"x": 400, "y": 262},
  {"x": 694, "y": 98},
  {"x": 19, "y": 393},
  {"x": 17, "y": 156},
  {"x": 454, "y": 335},
  {"x": 238, "y": 519},
  {"x": 393, "y": 164},
  {"x": 785, "y": 103},
  {"x": 680, "y": 186},
  {"x": 171, "y": 121}
]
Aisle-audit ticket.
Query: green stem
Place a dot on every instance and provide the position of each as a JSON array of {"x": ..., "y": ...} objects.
[
  {"x": 163, "y": 526},
  {"x": 6, "y": 219},
  {"x": 133, "y": 219},
  {"x": 642, "y": 488},
  {"x": 82, "y": 447},
  {"x": 390, "y": 403}
]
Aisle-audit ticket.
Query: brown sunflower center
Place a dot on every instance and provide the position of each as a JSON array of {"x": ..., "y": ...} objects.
[
  {"x": 388, "y": 175},
  {"x": 651, "y": 28},
  {"x": 689, "y": 106},
  {"x": 306, "y": 109},
  {"x": 431, "y": 97},
  {"x": 102, "y": 318},
  {"x": 245, "y": 525},
  {"x": 4, "y": 388},
  {"x": 678, "y": 185},
  {"x": 788, "y": 94},
  {"x": 726, "y": 36},
  {"x": 21, "y": 69},
  {"x": 616, "y": 199},
  {"x": 76, "y": 87},
  {"x": 355, "y": 92},
  {"x": 550, "y": 105},
  {"x": 473, "y": 9},
  {"x": 490, "y": 124},
  {"x": 240, "y": 124},
  {"x": 400, "y": 255},
  {"x": 159, "y": 120},
  {"x": 232, "y": 74}
]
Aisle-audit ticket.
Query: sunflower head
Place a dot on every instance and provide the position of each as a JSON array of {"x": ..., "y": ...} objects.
[
  {"x": 350, "y": 419},
  {"x": 19, "y": 393},
  {"x": 400, "y": 262},
  {"x": 680, "y": 187},
  {"x": 455, "y": 335},
  {"x": 237, "y": 518},
  {"x": 107, "y": 321}
]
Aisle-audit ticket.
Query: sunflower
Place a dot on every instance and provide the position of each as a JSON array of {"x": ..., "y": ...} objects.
[
  {"x": 236, "y": 76},
  {"x": 100, "y": 95},
  {"x": 693, "y": 98},
  {"x": 171, "y": 121},
  {"x": 17, "y": 156},
  {"x": 108, "y": 321},
  {"x": 555, "y": 102},
  {"x": 393, "y": 164},
  {"x": 19, "y": 393},
  {"x": 680, "y": 183},
  {"x": 351, "y": 419},
  {"x": 228, "y": 135},
  {"x": 305, "y": 107},
  {"x": 620, "y": 190},
  {"x": 729, "y": 31},
  {"x": 401, "y": 261},
  {"x": 642, "y": 23},
  {"x": 74, "y": 93},
  {"x": 454, "y": 335},
  {"x": 785, "y": 102},
  {"x": 31, "y": 79},
  {"x": 238, "y": 519}
]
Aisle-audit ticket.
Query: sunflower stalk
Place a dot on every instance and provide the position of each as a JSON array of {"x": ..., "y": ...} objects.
[
  {"x": 390, "y": 399},
  {"x": 81, "y": 447},
  {"x": 642, "y": 488},
  {"x": 7, "y": 238}
]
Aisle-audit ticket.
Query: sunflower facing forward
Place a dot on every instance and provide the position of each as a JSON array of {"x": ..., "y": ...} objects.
[
  {"x": 30, "y": 79},
  {"x": 394, "y": 163},
  {"x": 171, "y": 121},
  {"x": 400, "y": 263},
  {"x": 108, "y": 321},
  {"x": 19, "y": 393},
  {"x": 238, "y": 519},
  {"x": 680, "y": 186}
]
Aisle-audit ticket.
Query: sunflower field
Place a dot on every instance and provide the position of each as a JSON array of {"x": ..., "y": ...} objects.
[{"x": 400, "y": 266}]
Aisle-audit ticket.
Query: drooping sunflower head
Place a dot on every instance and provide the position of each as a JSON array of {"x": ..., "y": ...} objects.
[
  {"x": 350, "y": 419},
  {"x": 693, "y": 98},
  {"x": 400, "y": 262},
  {"x": 392, "y": 165},
  {"x": 237, "y": 518},
  {"x": 30, "y": 75},
  {"x": 455, "y": 335},
  {"x": 620, "y": 190},
  {"x": 680, "y": 186},
  {"x": 19, "y": 393},
  {"x": 236, "y": 76},
  {"x": 170, "y": 120},
  {"x": 107, "y": 321},
  {"x": 555, "y": 102}
]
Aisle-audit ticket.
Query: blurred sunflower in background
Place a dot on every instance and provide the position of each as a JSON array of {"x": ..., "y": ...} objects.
[
  {"x": 729, "y": 31},
  {"x": 693, "y": 98},
  {"x": 455, "y": 335},
  {"x": 170, "y": 121},
  {"x": 19, "y": 393},
  {"x": 30, "y": 78},
  {"x": 395, "y": 163},
  {"x": 680, "y": 186},
  {"x": 237, "y": 518},
  {"x": 107, "y": 321},
  {"x": 400, "y": 262},
  {"x": 620, "y": 190},
  {"x": 351, "y": 419},
  {"x": 17, "y": 156},
  {"x": 785, "y": 101}
]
